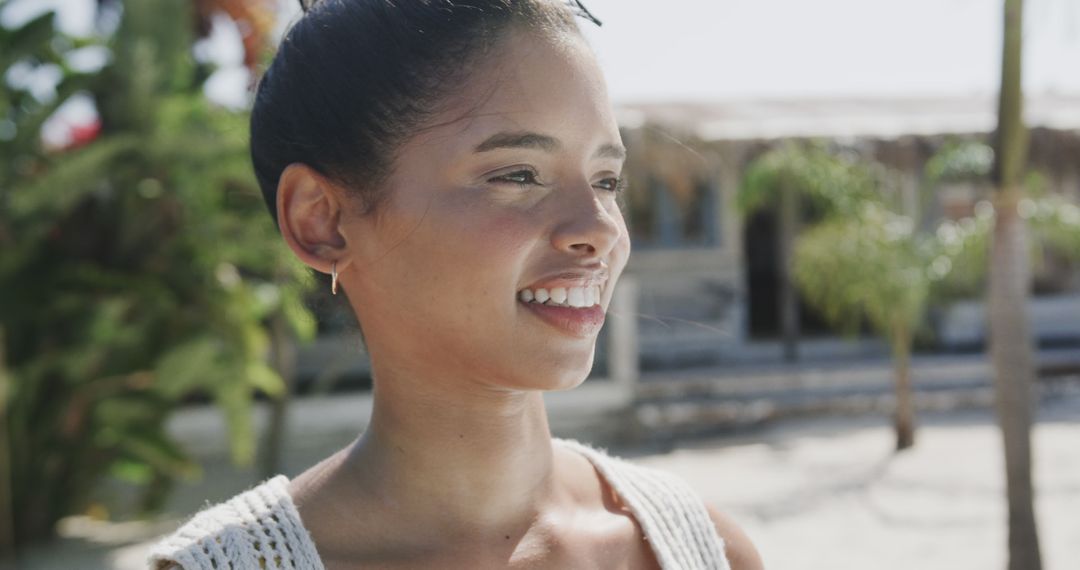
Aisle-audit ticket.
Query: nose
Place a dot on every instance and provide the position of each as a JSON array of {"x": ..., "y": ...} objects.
[{"x": 587, "y": 228}]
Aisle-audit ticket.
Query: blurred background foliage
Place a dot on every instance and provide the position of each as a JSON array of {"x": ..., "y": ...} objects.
[
  {"x": 857, "y": 257},
  {"x": 140, "y": 270},
  {"x": 139, "y": 266},
  {"x": 833, "y": 182}
]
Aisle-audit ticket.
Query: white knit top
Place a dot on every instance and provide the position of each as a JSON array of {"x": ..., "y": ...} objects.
[{"x": 261, "y": 528}]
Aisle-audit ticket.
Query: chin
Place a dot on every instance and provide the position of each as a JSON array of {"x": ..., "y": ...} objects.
[
  {"x": 569, "y": 386},
  {"x": 569, "y": 382},
  {"x": 555, "y": 378}
]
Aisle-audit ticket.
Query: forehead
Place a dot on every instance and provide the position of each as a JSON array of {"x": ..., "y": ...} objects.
[{"x": 529, "y": 82}]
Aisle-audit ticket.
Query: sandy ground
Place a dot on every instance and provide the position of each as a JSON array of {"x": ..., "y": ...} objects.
[
  {"x": 831, "y": 494},
  {"x": 821, "y": 493}
]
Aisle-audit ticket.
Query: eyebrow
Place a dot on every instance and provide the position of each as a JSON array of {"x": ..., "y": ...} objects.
[{"x": 542, "y": 142}]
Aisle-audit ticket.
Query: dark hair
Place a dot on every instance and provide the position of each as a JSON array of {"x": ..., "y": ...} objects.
[{"x": 353, "y": 79}]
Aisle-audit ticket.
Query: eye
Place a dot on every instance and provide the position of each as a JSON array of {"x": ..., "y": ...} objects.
[
  {"x": 615, "y": 185},
  {"x": 522, "y": 178}
]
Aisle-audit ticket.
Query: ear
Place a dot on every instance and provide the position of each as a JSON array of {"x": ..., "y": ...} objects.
[{"x": 309, "y": 209}]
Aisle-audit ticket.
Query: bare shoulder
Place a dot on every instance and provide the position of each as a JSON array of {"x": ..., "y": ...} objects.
[{"x": 741, "y": 553}]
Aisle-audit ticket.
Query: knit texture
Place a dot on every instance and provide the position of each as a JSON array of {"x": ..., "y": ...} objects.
[
  {"x": 257, "y": 529},
  {"x": 261, "y": 528},
  {"x": 672, "y": 515}
]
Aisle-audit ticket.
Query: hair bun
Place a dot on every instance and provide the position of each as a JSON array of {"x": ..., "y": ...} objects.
[{"x": 576, "y": 5}]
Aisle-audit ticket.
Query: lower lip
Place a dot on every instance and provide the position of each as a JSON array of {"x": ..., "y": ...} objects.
[{"x": 579, "y": 322}]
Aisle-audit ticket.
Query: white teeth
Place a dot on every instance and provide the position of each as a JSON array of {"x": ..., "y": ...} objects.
[{"x": 575, "y": 297}]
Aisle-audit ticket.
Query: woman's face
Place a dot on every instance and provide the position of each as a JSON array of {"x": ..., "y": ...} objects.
[{"x": 518, "y": 194}]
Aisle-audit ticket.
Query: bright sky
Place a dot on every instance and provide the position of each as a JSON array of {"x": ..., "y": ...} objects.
[
  {"x": 698, "y": 49},
  {"x": 678, "y": 50}
]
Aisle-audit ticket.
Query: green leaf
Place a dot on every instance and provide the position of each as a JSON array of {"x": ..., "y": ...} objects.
[
  {"x": 263, "y": 377},
  {"x": 837, "y": 185},
  {"x": 158, "y": 451},
  {"x": 32, "y": 38},
  {"x": 234, "y": 401},
  {"x": 188, "y": 367},
  {"x": 131, "y": 471}
]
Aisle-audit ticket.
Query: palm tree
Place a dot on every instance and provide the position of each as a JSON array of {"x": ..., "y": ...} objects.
[
  {"x": 788, "y": 178},
  {"x": 1009, "y": 288},
  {"x": 860, "y": 262},
  {"x": 876, "y": 265},
  {"x": 871, "y": 265}
]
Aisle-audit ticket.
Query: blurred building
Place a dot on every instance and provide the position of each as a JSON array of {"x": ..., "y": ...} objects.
[{"x": 709, "y": 284}]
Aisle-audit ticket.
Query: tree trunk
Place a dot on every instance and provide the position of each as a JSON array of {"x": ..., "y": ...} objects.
[
  {"x": 1009, "y": 274},
  {"x": 284, "y": 361},
  {"x": 789, "y": 302},
  {"x": 1013, "y": 363},
  {"x": 7, "y": 514},
  {"x": 904, "y": 415}
]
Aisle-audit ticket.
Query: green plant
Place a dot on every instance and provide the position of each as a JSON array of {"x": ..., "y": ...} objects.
[
  {"x": 139, "y": 269},
  {"x": 960, "y": 161},
  {"x": 877, "y": 265},
  {"x": 863, "y": 262},
  {"x": 832, "y": 183},
  {"x": 1053, "y": 220}
]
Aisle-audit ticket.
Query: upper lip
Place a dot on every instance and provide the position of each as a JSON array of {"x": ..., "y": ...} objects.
[{"x": 567, "y": 279}]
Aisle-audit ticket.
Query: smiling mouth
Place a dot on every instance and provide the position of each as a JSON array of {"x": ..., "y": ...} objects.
[
  {"x": 570, "y": 297},
  {"x": 582, "y": 322}
]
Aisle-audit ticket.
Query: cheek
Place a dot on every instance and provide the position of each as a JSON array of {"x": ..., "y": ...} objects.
[
  {"x": 482, "y": 253},
  {"x": 487, "y": 234},
  {"x": 504, "y": 231},
  {"x": 622, "y": 247},
  {"x": 475, "y": 250}
]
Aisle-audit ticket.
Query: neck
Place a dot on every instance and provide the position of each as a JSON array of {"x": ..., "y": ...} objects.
[{"x": 466, "y": 459}]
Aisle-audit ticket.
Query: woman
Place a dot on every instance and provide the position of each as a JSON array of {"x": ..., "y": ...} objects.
[{"x": 454, "y": 164}]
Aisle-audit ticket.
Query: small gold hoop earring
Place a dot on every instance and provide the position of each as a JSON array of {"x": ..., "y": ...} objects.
[{"x": 333, "y": 278}]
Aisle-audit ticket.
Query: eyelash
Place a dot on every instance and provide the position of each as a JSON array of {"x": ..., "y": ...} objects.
[{"x": 620, "y": 183}]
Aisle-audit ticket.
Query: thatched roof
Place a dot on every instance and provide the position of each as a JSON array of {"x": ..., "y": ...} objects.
[{"x": 842, "y": 118}]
